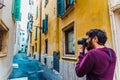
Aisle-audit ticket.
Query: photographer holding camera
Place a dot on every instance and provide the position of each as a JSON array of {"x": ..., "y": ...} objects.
[{"x": 98, "y": 63}]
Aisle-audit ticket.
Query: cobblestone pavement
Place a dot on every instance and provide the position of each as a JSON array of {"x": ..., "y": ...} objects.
[{"x": 25, "y": 68}]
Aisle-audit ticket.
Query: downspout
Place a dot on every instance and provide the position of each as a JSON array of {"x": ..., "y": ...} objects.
[{"x": 40, "y": 28}]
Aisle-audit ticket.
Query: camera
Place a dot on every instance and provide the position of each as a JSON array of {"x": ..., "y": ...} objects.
[{"x": 82, "y": 42}]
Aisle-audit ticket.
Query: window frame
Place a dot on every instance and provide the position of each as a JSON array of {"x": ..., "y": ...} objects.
[
  {"x": 46, "y": 46},
  {"x": 69, "y": 27},
  {"x": 5, "y": 34}
]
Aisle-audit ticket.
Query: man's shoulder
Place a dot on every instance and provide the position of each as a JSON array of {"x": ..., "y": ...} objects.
[{"x": 91, "y": 52}]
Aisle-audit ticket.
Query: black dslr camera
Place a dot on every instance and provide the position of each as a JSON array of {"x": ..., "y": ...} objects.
[{"x": 82, "y": 42}]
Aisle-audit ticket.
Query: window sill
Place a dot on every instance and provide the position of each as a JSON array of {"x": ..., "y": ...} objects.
[
  {"x": 67, "y": 12},
  {"x": 2, "y": 55},
  {"x": 69, "y": 58}
]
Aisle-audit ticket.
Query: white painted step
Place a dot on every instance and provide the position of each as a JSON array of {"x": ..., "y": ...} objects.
[{"x": 24, "y": 78}]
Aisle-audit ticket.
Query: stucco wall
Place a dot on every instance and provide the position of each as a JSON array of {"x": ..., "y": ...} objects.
[
  {"x": 52, "y": 34},
  {"x": 87, "y": 15},
  {"x": 6, "y": 62}
]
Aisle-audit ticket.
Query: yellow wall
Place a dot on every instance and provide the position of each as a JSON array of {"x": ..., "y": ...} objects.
[
  {"x": 36, "y": 23},
  {"x": 51, "y": 35},
  {"x": 86, "y": 14}
]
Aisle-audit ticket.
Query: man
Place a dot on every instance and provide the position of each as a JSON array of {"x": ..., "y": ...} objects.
[{"x": 98, "y": 63}]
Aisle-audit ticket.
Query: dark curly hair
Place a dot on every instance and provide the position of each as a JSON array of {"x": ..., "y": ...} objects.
[{"x": 100, "y": 34}]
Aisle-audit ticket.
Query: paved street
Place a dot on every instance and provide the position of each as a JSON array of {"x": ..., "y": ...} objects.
[{"x": 25, "y": 68}]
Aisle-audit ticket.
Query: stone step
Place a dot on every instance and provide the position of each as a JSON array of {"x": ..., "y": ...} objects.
[{"x": 23, "y": 78}]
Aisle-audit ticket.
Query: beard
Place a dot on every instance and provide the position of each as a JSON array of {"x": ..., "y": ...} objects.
[{"x": 90, "y": 45}]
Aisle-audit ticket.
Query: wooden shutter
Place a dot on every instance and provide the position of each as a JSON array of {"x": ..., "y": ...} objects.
[
  {"x": 43, "y": 26},
  {"x": 46, "y": 25},
  {"x": 36, "y": 12},
  {"x": 17, "y": 15},
  {"x": 60, "y": 7}
]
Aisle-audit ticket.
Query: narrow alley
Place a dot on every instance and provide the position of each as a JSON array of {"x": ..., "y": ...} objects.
[
  {"x": 26, "y": 68},
  {"x": 44, "y": 39}
]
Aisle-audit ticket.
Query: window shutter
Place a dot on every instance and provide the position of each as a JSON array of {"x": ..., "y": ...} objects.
[
  {"x": 71, "y": 2},
  {"x": 36, "y": 12},
  {"x": 36, "y": 33},
  {"x": 17, "y": 14},
  {"x": 46, "y": 20},
  {"x": 43, "y": 26},
  {"x": 13, "y": 3},
  {"x": 60, "y": 7},
  {"x": 46, "y": 1}
]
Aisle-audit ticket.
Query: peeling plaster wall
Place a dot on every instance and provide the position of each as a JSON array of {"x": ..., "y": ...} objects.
[{"x": 6, "y": 62}]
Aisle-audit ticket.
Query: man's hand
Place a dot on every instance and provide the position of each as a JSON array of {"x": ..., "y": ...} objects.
[{"x": 83, "y": 49}]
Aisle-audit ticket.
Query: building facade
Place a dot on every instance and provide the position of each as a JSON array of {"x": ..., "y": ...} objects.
[
  {"x": 114, "y": 9},
  {"x": 64, "y": 22},
  {"x": 22, "y": 41},
  {"x": 34, "y": 29},
  {"x": 7, "y": 37}
]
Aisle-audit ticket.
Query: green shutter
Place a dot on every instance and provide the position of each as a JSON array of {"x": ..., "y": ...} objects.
[
  {"x": 43, "y": 26},
  {"x": 60, "y": 7},
  {"x": 46, "y": 20},
  {"x": 46, "y": 1},
  {"x": 13, "y": 2},
  {"x": 17, "y": 14},
  {"x": 36, "y": 12},
  {"x": 36, "y": 33},
  {"x": 71, "y": 2}
]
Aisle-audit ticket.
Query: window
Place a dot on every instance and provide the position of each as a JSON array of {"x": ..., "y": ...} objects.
[
  {"x": 68, "y": 3},
  {"x": 46, "y": 46},
  {"x": 22, "y": 39},
  {"x": 22, "y": 49},
  {"x": 64, "y": 6},
  {"x": 36, "y": 47},
  {"x": 3, "y": 39},
  {"x": 69, "y": 40},
  {"x": 36, "y": 12},
  {"x": 46, "y": 2},
  {"x": 22, "y": 45},
  {"x": 45, "y": 25},
  {"x": 16, "y": 10},
  {"x": 30, "y": 37},
  {"x": 31, "y": 2},
  {"x": 36, "y": 32}
]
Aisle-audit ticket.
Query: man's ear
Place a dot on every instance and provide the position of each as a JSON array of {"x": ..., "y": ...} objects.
[{"x": 96, "y": 39}]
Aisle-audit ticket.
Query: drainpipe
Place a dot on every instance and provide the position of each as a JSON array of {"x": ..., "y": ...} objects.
[{"x": 40, "y": 28}]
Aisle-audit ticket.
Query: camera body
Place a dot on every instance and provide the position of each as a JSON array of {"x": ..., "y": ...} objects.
[{"x": 82, "y": 42}]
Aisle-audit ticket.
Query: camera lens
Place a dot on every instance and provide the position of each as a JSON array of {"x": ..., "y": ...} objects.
[{"x": 82, "y": 41}]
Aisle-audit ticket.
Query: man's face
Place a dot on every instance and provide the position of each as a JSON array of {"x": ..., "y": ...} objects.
[{"x": 89, "y": 44}]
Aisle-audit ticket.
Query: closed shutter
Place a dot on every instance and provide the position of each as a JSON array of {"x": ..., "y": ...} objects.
[
  {"x": 36, "y": 12},
  {"x": 17, "y": 14},
  {"x": 36, "y": 33},
  {"x": 46, "y": 25},
  {"x": 13, "y": 3},
  {"x": 60, "y": 7},
  {"x": 43, "y": 26},
  {"x": 46, "y": 1}
]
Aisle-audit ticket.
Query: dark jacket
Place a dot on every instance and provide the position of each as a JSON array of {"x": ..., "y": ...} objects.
[{"x": 96, "y": 64}]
